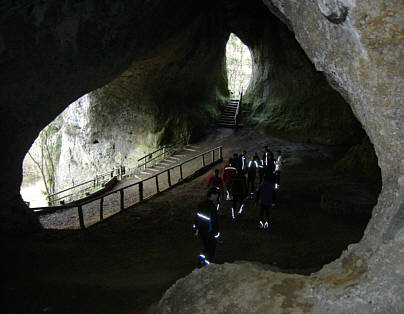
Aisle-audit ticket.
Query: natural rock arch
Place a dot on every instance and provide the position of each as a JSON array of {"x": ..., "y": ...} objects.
[
  {"x": 52, "y": 53},
  {"x": 356, "y": 49}
]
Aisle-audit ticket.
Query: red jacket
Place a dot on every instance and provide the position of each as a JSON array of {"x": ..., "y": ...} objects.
[
  {"x": 228, "y": 172},
  {"x": 215, "y": 182}
]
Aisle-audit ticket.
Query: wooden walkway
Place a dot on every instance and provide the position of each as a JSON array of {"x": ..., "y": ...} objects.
[{"x": 127, "y": 193}]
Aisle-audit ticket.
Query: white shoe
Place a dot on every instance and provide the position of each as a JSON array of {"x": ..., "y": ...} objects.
[{"x": 261, "y": 225}]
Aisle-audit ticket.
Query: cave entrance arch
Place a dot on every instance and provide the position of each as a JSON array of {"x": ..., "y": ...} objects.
[
  {"x": 238, "y": 65},
  {"x": 288, "y": 97}
]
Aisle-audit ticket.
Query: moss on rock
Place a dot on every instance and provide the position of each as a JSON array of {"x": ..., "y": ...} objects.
[{"x": 360, "y": 160}]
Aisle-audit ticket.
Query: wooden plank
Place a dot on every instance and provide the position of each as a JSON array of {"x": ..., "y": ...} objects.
[
  {"x": 157, "y": 184},
  {"x": 122, "y": 197},
  {"x": 101, "y": 209},
  {"x": 141, "y": 191},
  {"x": 81, "y": 218}
]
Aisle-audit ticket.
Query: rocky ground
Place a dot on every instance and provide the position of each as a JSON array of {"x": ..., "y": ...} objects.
[{"x": 124, "y": 264}]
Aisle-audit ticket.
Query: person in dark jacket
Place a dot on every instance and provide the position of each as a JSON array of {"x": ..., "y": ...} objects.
[
  {"x": 239, "y": 192},
  {"x": 268, "y": 161},
  {"x": 206, "y": 227},
  {"x": 264, "y": 198},
  {"x": 216, "y": 182},
  {"x": 242, "y": 162},
  {"x": 253, "y": 166}
]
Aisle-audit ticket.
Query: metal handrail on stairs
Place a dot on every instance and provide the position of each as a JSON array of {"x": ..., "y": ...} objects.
[{"x": 238, "y": 108}]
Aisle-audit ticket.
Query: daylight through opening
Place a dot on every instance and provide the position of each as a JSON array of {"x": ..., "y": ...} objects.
[{"x": 238, "y": 63}]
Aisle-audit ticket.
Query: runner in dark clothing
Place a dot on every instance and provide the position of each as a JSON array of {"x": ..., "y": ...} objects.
[
  {"x": 252, "y": 167},
  {"x": 206, "y": 227},
  {"x": 216, "y": 182},
  {"x": 242, "y": 162},
  {"x": 239, "y": 192},
  {"x": 264, "y": 198}
]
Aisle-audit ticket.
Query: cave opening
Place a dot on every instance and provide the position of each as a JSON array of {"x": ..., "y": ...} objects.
[
  {"x": 238, "y": 65},
  {"x": 284, "y": 96},
  {"x": 287, "y": 98}
]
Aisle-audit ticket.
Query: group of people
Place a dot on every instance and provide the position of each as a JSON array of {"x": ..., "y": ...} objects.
[{"x": 237, "y": 184}]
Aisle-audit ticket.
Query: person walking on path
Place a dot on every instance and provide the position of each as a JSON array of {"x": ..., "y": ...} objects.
[
  {"x": 252, "y": 167},
  {"x": 216, "y": 182},
  {"x": 239, "y": 192},
  {"x": 278, "y": 167},
  {"x": 242, "y": 162},
  {"x": 264, "y": 199},
  {"x": 229, "y": 171},
  {"x": 206, "y": 227}
]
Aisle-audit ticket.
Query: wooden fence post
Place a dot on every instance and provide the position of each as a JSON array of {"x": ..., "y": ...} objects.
[
  {"x": 101, "y": 209},
  {"x": 81, "y": 218},
  {"x": 182, "y": 178},
  {"x": 122, "y": 195},
  {"x": 157, "y": 184},
  {"x": 141, "y": 191},
  {"x": 169, "y": 177},
  {"x": 203, "y": 160},
  {"x": 213, "y": 155}
]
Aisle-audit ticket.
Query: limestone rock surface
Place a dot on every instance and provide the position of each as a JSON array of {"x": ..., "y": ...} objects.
[{"x": 358, "y": 45}]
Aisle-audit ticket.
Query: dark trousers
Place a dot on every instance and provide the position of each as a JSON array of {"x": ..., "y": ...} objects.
[
  {"x": 209, "y": 246},
  {"x": 261, "y": 173},
  {"x": 264, "y": 212},
  {"x": 236, "y": 200},
  {"x": 228, "y": 188},
  {"x": 251, "y": 182},
  {"x": 278, "y": 177},
  {"x": 275, "y": 192}
]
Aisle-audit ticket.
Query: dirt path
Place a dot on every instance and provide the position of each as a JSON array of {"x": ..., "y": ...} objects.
[{"x": 125, "y": 264}]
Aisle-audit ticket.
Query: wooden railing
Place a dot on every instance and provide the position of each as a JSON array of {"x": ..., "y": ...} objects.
[
  {"x": 78, "y": 190},
  {"x": 207, "y": 158},
  {"x": 82, "y": 187},
  {"x": 153, "y": 157}
]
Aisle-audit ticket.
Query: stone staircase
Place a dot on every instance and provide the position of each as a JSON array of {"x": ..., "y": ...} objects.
[{"x": 228, "y": 117}]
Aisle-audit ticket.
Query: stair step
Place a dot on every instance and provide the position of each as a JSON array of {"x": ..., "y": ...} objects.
[
  {"x": 226, "y": 119},
  {"x": 227, "y": 125}
]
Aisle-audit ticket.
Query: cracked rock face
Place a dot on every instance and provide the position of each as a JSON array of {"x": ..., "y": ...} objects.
[
  {"x": 359, "y": 47},
  {"x": 53, "y": 52}
]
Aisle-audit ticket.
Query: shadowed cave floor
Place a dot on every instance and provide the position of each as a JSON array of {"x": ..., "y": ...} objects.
[{"x": 125, "y": 264}]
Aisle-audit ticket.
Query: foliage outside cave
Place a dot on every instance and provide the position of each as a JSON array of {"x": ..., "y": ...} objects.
[
  {"x": 45, "y": 154},
  {"x": 238, "y": 65}
]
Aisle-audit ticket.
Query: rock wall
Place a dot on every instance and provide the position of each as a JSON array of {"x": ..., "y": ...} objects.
[
  {"x": 286, "y": 94},
  {"x": 98, "y": 136},
  {"x": 150, "y": 104},
  {"x": 359, "y": 47},
  {"x": 53, "y": 52},
  {"x": 56, "y": 51}
]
